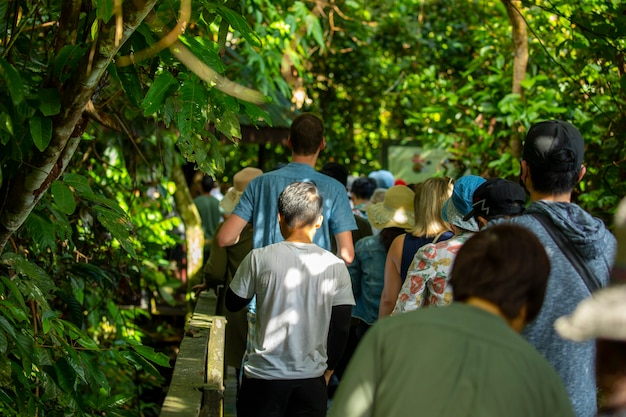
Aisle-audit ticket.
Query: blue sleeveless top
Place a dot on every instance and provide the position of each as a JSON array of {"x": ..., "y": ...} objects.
[{"x": 410, "y": 247}]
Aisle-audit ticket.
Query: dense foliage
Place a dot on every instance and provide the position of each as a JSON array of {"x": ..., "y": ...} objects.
[{"x": 101, "y": 101}]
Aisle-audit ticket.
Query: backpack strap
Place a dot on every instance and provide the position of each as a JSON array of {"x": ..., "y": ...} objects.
[{"x": 570, "y": 252}]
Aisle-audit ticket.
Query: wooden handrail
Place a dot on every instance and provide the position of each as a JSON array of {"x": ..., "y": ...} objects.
[{"x": 197, "y": 385}]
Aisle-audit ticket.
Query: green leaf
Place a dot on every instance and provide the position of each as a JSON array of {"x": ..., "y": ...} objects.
[
  {"x": 80, "y": 183},
  {"x": 49, "y": 101},
  {"x": 8, "y": 327},
  {"x": 12, "y": 80},
  {"x": 41, "y": 230},
  {"x": 160, "y": 89},
  {"x": 140, "y": 363},
  {"x": 239, "y": 24},
  {"x": 5, "y": 399},
  {"x": 73, "y": 309},
  {"x": 95, "y": 373},
  {"x": 62, "y": 226},
  {"x": 207, "y": 51},
  {"x": 4, "y": 343},
  {"x": 47, "y": 318},
  {"x": 119, "y": 226},
  {"x": 63, "y": 197},
  {"x": 6, "y": 124},
  {"x": 228, "y": 124},
  {"x": 117, "y": 401},
  {"x": 193, "y": 99},
  {"x": 37, "y": 274},
  {"x": 157, "y": 357},
  {"x": 40, "y": 130},
  {"x": 25, "y": 344},
  {"x": 14, "y": 291},
  {"x": 92, "y": 273},
  {"x": 257, "y": 114},
  {"x": 66, "y": 61},
  {"x": 314, "y": 27},
  {"x": 104, "y": 10},
  {"x": 129, "y": 80},
  {"x": 14, "y": 312},
  {"x": 66, "y": 376},
  {"x": 81, "y": 337}
]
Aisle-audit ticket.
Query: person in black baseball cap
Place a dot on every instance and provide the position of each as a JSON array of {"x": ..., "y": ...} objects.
[
  {"x": 496, "y": 198},
  {"x": 553, "y": 158},
  {"x": 551, "y": 167}
]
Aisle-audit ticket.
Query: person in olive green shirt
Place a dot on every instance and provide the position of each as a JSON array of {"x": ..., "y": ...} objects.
[{"x": 466, "y": 359}]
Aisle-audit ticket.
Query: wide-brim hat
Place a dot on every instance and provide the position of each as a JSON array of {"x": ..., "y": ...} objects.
[
  {"x": 460, "y": 203},
  {"x": 396, "y": 209},
  {"x": 240, "y": 181},
  {"x": 601, "y": 316}
]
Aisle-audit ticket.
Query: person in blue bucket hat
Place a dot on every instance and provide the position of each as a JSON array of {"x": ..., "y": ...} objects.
[
  {"x": 460, "y": 204},
  {"x": 427, "y": 279}
]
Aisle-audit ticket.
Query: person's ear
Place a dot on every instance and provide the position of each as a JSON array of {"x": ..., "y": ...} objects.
[
  {"x": 523, "y": 172},
  {"x": 323, "y": 144},
  {"x": 289, "y": 143},
  {"x": 482, "y": 222},
  {"x": 519, "y": 322},
  {"x": 319, "y": 221},
  {"x": 583, "y": 171}
]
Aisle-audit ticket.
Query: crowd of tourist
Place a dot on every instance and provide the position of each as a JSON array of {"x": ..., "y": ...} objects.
[{"x": 369, "y": 296}]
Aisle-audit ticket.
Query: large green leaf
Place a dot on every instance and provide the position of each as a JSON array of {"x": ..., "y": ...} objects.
[
  {"x": 63, "y": 197},
  {"x": 12, "y": 80},
  {"x": 6, "y": 124},
  {"x": 7, "y": 327},
  {"x": 31, "y": 270},
  {"x": 40, "y": 130},
  {"x": 161, "y": 88},
  {"x": 95, "y": 374},
  {"x": 193, "y": 102},
  {"x": 129, "y": 80},
  {"x": 104, "y": 9},
  {"x": 239, "y": 24},
  {"x": 228, "y": 124},
  {"x": 7, "y": 401},
  {"x": 140, "y": 363},
  {"x": 66, "y": 376},
  {"x": 157, "y": 357},
  {"x": 49, "y": 101},
  {"x": 13, "y": 292},
  {"x": 118, "y": 225},
  {"x": 207, "y": 51},
  {"x": 41, "y": 230},
  {"x": 4, "y": 345},
  {"x": 46, "y": 319},
  {"x": 66, "y": 61},
  {"x": 79, "y": 182}
]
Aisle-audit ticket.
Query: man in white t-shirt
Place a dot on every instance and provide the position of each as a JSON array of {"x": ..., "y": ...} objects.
[{"x": 304, "y": 301}]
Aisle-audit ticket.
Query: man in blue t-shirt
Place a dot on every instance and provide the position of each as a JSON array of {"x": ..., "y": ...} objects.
[{"x": 258, "y": 204}]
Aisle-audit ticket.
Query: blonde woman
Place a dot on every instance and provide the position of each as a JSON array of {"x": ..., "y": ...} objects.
[{"x": 429, "y": 226}]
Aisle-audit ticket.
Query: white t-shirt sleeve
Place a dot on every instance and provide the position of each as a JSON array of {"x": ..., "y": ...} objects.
[
  {"x": 242, "y": 284},
  {"x": 344, "y": 295}
]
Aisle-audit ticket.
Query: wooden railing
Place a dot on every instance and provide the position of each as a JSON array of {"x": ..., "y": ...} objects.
[{"x": 197, "y": 386}]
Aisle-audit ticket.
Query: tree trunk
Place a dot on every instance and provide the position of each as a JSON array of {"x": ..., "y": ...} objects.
[
  {"x": 520, "y": 60},
  {"x": 24, "y": 189},
  {"x": 194, "y": 235}
]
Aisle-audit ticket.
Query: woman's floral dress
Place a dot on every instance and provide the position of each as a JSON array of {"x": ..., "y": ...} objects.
[{"x": 427, "y": 280}]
